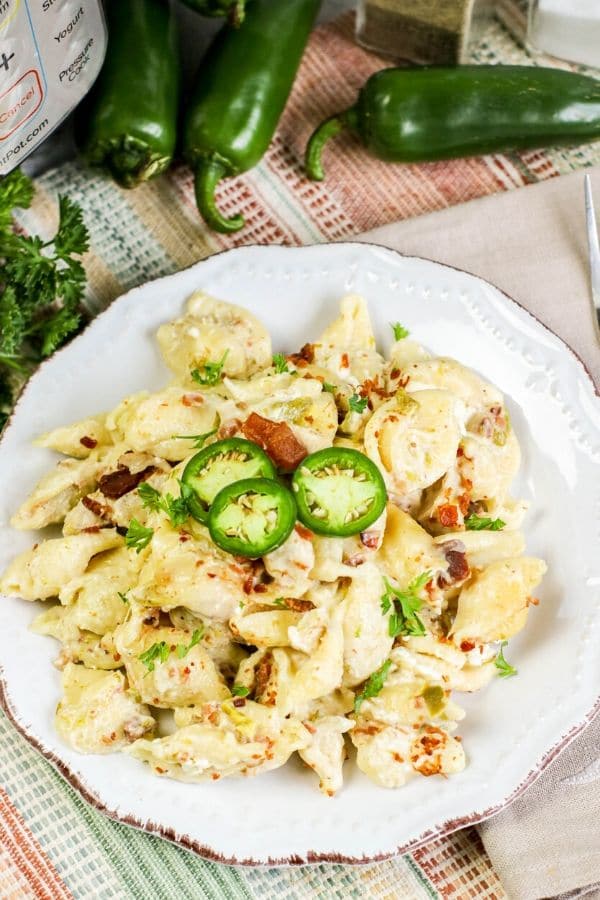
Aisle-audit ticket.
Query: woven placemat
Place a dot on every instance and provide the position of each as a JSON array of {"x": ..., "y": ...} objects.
[{"x": 52, "y": 844}]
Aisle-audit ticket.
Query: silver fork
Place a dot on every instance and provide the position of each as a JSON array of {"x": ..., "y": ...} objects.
[{"x": 594, "y": 248}]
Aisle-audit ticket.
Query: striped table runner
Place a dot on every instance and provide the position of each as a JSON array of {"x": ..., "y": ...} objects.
[{"x": 52, "y": 844}]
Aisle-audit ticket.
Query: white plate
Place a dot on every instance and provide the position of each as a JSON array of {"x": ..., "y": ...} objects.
[{"x": 514, "y": 727}]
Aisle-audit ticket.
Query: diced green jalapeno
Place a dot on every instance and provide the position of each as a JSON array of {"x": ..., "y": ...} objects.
[
  {"x": 252, "y": 517},
  {"x": 339, "y": 491},
  {"x": 218, "y": 465}
]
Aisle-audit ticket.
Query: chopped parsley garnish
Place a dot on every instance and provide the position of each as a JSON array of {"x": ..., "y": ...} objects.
[
  {"x": 138, "y": 537},
  {"x": 198, "y": 439},
  {"x": 238, "y": 690},
  {"x": 405, "y": 606},
  {"x": 357, "y": 404},
  {"x": 373, "y": 686},
  {"x": 123, "y": 596},
  {"x": 156, "y": 652},
  {"x": 329, "y": 388},
  {"x": 279, "y": 602},
  {"x": 505, "y": 669},
  {"x": 210, "y": 373},
  {"x": 399, "y": 331},
  {"x": 41, "y": 286},
  {"x": 280, "y": 363},
  {"x": 183, "y": 649},
  {"x": 175, "y": 507},
  {"x": 483, "y": 523}
]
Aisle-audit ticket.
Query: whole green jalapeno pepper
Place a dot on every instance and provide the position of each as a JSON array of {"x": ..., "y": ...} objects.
[
  {"x": 338, "y": 491},
  {"x": 128, "y": 123},
  {"x": 233, "y": 10},
  {"x": 421, "y": 115},
  {"x": 240, "y": 92},
  {"x": 252, "y": 517},
  {"x": 218, "y": 465}
]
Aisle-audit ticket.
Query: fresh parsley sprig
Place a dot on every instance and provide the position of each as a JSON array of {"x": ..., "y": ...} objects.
[
  {"x": 357, "y": 404},
  {"x": 280, "y": 364},
  {"x": 238, "y": 690},
  {"x": 184, "y": 649},
  {"x": 176, "y": 508},
  {"x": 405, "y": 606},
  {"x": 137, "y": 536},
  {"x": 41, "y": 286},
  {"x": 505, "y": 670},
  {"x": 210, "y": 373},
  {"x": 399, "y": 330},
  {"x": 156, "y": 652},
  {"x": 483, "y": 523},
  {"x": 373, "y": 686},
  {"x": 199, "y": 440}
]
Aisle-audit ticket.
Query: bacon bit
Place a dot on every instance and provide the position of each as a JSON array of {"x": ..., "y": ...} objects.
[
  {"x": 397, "y": 758},
  {"x": 248, "y": 583},
  {"x": 368, "y": 729},
  {"x": 152, "y": 617},
  {"x": 464, "y": 500},
  {"x": 395, "y": 373},
  {"x": 277, "y": 439},
  {"x": 91, "y": 529},
  {"x": 370, "y": 539},
  {"x": 372, "y": 386},
  {"x": 184, "y": 536},
  {"x": 194, "y": 399},
  {"x": 239, "y": 701},
  {"x": 159, "y": 770},
  {"x": 260, "y": 588},
  {"x": 304, "y": 356},
  {"x": 467, "y": 646},
  {"x": 458, "y": 566},
  {"x": 116, "y": 657},
  {"x": 345, "y": 361},
  {"x": 99, "y": 509},
  {"x": 229, "y": 428},
  {"x": 212, "y": 574},
  {"x": 303, "y": 532},
  {"x": 88, "y": 442},
  {"x": 532, "y": 601},
  {"x": 448, "y": 515},
  {"x": 310, "y": 727},
  {"x": 403, "y": 383},
  {"x": 460, "y": 452},
  {"x": 357, "y": 559},
  {"x": 263, "y": 674},
  {"x": 115, "y": 484},
  {"x": 215, "y": 776},
  {"x": 299, "y": 605}
]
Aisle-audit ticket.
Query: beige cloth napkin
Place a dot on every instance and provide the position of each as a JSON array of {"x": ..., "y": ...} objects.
[{"x": 532, "y": 244}]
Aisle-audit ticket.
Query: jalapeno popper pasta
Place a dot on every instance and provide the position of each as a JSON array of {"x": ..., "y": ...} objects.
[{"x": 290, "y": 553}]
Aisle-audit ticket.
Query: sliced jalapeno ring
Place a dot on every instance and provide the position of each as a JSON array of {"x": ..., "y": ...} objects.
[
  {"x": 218, "y": 465},
  {"x": 252, "y": 517},
  {"x": 339, "y": 491}
]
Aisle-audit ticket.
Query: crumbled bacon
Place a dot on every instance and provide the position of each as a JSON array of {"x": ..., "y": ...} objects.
[
  {"x": 370, "y": 539},
  {"x": 298, "y": 605},
  {"x": 239, "y": 701},
  {"x": 88, "y": 442},
  {"x": 303, "y": 532},
  {"x": 193, "y": 399},
  {"x": 115, "y": 484},
  {"x": 448, "y": 515},
  {"x": 99, "y": 509},
  {"x": 467, "y": 646},
  {"x": 456, "y": 557},
  {"x": 262, "y": 674},
  {"x": 306, "y": 355},
  {"x": 277, "y": 439},
  {"x": 229, "y": 428}
]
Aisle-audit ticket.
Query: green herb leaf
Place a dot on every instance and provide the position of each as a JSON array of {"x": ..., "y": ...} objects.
[
  {"x": 149, "y": 495},
  {"x": 198, "y": 439},
  {"x": 406, "y": 604},
  {"x": 483, "y": 523},
  {"x": 157, "y": 652},
  {"x": 280, "y": 363},
  {"x": 183, "y": 649},
  {"x": 373, "y": 686},
  {"x": 280, "y": 602},
  {"x": 238, "y": 690},
  {"x": 357, "y": 404},
  {"x": 504, "y": 668},
  {"x": 16, "y": 192},
  {"x": 137, "y": 536},
  {"x": 399, "y": 330},
  {"x": 329, "y": 388},
  {"x": 210, "y": 373},
  {"x": 123, "y": 596}
]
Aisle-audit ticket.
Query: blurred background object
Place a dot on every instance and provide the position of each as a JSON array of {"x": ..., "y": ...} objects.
[
  {"x": 567, "y": 29},
  {"x": 427, "y": 32}
]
